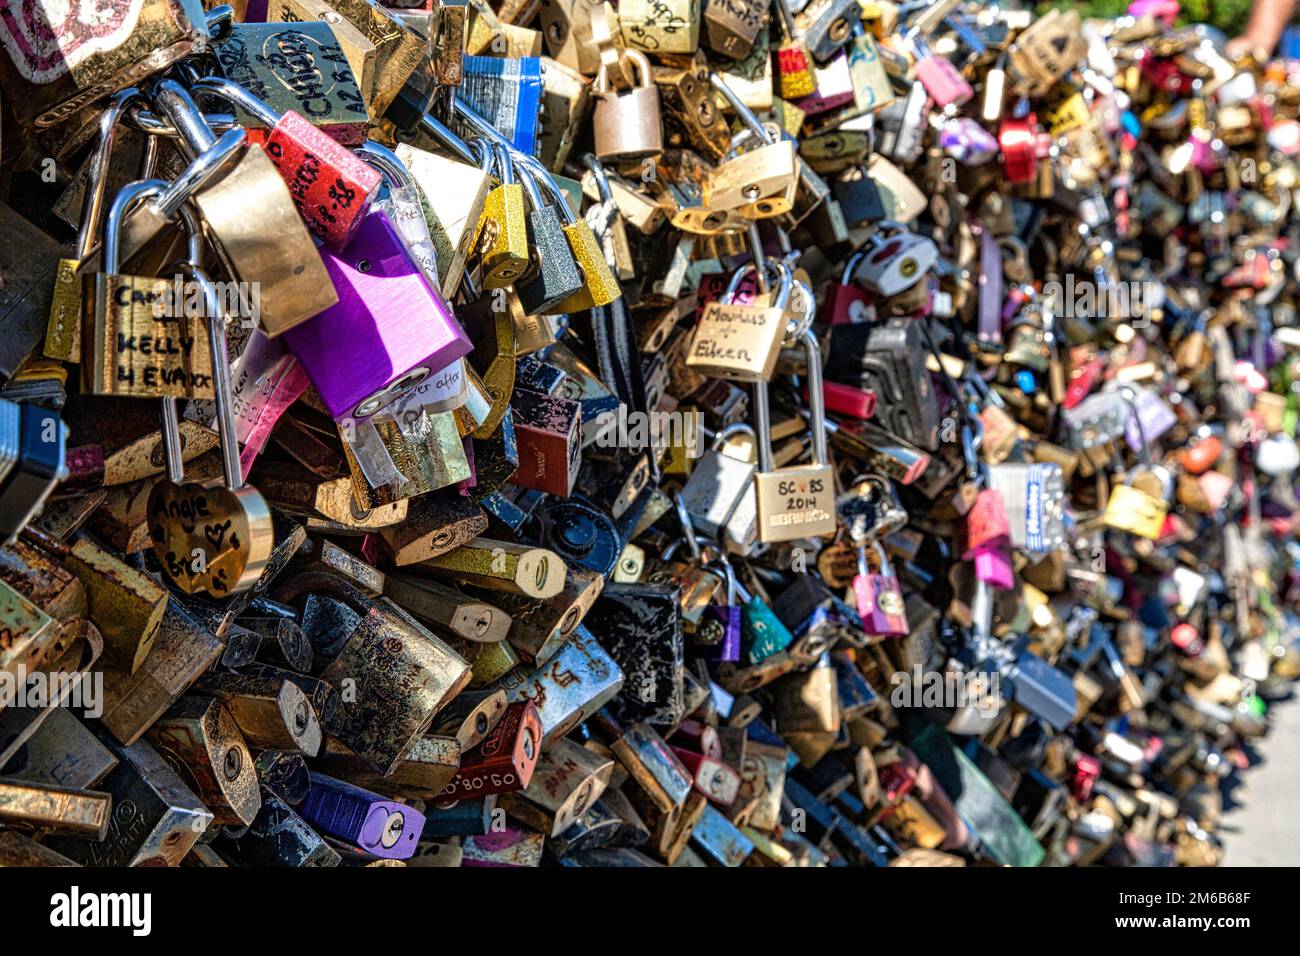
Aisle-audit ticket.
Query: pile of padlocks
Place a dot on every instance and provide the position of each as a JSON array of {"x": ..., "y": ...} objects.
[{"x": 553, "y": 433}]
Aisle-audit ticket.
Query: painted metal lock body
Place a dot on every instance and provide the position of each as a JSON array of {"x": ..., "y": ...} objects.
[
  {"x": 332, "y": 188},
  {"x": 626, "y": 124},
  {"x": 389, "y": 331},
  {"x": 897, "y": 263},
  {"x": 34, "y": 462},
  {"x": 940, "y": 78},
  {"x": 845, "y": 302},
  {"x": 879, "y": 596},
  {"x": 731, "y": 26},
  {"x": 280, "y": 837},
  {"x": 640, "y": 626},
  {"x": 203, "y": 744},
  {"x": 548, "y": 431},
  {"x": 403, "y": 674},
  {"x": 828, "y": 25},
  {"x": 986, "y": 523},
  {"x": 38, "y": 277},
  {"x": 660, "y": 26},
  {"x": 571, "y": 686},
  {"x": 1018, "y": 140},
  {"x": 503, "y": 230},
  {"x": 797, "y": 501},
  {"x": 1034, "y": 495},
  {"x": 993, "y": 567},
  {"x": 507, "y": 93},
  {"x": 872, "y": 89},
  {"x": 156, "y": 818},
  {"x": 58, "y": 59},
  {"x": 505, "y": 760},
  {"x": 300, "y": 68},
  {"x": 552, "y": 274},
  {"x": 741, "y": 342},
  {"x": 361, "y": 819}
]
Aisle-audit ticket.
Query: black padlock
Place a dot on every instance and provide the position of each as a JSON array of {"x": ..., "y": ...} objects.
[{"x": 555, "y": 274}]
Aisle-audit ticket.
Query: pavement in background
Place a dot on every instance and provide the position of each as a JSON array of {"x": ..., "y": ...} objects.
[{"x": 1261, "y": 807}]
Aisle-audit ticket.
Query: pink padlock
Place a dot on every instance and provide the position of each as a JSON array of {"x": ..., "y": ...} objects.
[
  {"x": 879, "y": 596},
  {"x": 986, "y": 523},
  {"x": 939, "y": 77},
  {"x": 993, "y": 567}
]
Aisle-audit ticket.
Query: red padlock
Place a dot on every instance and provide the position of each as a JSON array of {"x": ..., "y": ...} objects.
[
  {"x": 859, "y": 403},
  {"x": 1018, "y": 139},
  {"x": 1200, "y": 457},
  {"x": 331, "y": 187},
  {"x": 847, "y": 302}
]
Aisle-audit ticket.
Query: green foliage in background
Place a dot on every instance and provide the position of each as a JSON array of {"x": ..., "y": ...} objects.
[{"x": 1230, "y": 16}]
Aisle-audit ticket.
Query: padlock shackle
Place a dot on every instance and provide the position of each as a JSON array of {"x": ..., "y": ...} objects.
[
  {"x": 153, "y": 124},
  {"x": 816, "y": 396},
  {"x": 438, "y": 130},
  {"x": 854, "y": 261},
  {"x": 233, "y": 93},
  {"x": 176, "y": 103},
  {"x": 388, "y": 163},
  {"x": 210, "y": 165},
  {"x": 220, "y": 21},
  {"x": 688, "y": 528},
  {"x": 603, "y": 188},
  {"x": 126, "y": 198},
  {"x": 744, "y": 112},
  {"x": 92, "y": 209}
]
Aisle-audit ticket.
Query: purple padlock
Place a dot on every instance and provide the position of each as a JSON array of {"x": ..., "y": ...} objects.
[
  {"x": 389, "y": 331},
  {"x": 1149, "y": 417},
  {"x": 366, "y": 821}
]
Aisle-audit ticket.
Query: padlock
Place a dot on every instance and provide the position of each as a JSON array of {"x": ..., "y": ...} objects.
[
  {"x": 552, "y": 273},
  {"x": 846, "y": 302},
  {"x": 202, "y": 743},
  {"x": 626, "y": 124},
  {"x": 35, "y": 461},
  {"x": 55, "y": 64},
  {"x": 899, "y": 260},
  {"x": 718, "y": 635},
  {"x": 742, "y": 342},
  {"x": 796, "y": 501},
  {"x": 828, "y": 26},
  {"x": 940, "y": 78},
  {"x": 599, "y": 287},
  {"x": 362, "y": 354},
  {"x": 361, "y": 819},
  {"x": 503, "y": 233},
  {"x": 1044, "y": 52},
  {"x": 138, "y": 336},
  {"x": 505, "y": 760},
  {"x": 568, "y": 32},
  {"x": 331, "y": 188},
  {"x": 214, "y": 539},
  {"x": 794, "y": 63},
  {"x": 387, "y": 649},
  {"x": 731, "y": 26},
  {"x": 661, "y": 27},
  {"x": 1136, "y": 510},
  {"x": 567, "y": 781},
  {"x": 383, "y": 53},
  {"x": 300, "y": 68},
  {"x": 273, "y": 246}
]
